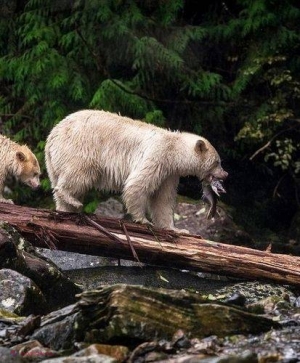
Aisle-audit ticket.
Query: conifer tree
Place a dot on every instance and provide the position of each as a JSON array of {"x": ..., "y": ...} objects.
[{"x": 228, "y": 70}]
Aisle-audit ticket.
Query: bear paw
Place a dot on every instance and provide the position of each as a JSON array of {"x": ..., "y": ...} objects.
[
  {"x": 143, "y": 221},
  {"x": 8, "y": 201}
]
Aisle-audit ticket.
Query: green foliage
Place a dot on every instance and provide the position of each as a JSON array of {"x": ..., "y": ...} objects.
[
  {"x": 227, "y": 70},
  {"x": 155, "y": 117},
  {"x": 283, "y": 156},
  {"x": 116, "y": 96}
]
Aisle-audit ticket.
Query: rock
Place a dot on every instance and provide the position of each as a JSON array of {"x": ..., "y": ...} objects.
[
  {"x": 17, "y": 254},
  {"x": 119, "y": 352},
  {"x": 248, "y": 357},
  {"x": 93, "y": 278},
  {"x": 9, "y": 325},
  {"x": 33, "y": 350},
  {"x": 9, "y": 356},
  {"x": 221, "y": 228},
  {"x": 19, "y": 294},
  {"x": 133, "y": 313},
  {"x": 193, "y": 217},
  {"x": 57, "y": 329},
  {"x": 111, "y": 208},
  {"x": 95, "y": 358},
  {"x": 23, "y": 348},
  {"x": 40, "y": 353},
  {"x": 10, "y": 317}
]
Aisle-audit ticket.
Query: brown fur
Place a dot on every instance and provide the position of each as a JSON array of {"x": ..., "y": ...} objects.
[{"x": 17, "y": 161}]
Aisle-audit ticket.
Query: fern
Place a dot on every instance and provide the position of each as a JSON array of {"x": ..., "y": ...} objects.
[{"x": 224, "y": 70}]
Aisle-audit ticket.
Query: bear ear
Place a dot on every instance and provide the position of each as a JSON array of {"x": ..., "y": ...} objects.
[
  {"x": 201, "y": 146},
  {"x": 20, "y": 156}
]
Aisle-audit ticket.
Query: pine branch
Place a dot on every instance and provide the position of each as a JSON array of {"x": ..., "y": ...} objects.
[
  {"x": 168, "y": 101},
  {"x": 99, "y": 60}
]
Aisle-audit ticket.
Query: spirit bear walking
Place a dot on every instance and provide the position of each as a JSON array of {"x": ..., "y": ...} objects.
[
  {"x": 98, "y": 149},
  {"x": 17, "y": 161}
]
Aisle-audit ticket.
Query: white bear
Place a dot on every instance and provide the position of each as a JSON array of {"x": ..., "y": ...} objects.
[
  {"x": 17, "y": 161},
  {"x": 102, "y": 150}
]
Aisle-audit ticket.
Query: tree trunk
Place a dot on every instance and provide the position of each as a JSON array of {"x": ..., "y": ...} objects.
[{"x": 90, "y": 234}]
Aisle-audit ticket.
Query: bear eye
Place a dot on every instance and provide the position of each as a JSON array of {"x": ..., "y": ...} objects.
[{"x": 216, "y": 164}]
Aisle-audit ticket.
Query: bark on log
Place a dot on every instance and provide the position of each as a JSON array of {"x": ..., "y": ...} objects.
[{"x": 117, "y": 238}]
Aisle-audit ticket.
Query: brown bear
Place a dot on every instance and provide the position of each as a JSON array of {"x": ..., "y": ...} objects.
[
  {"x": 102, "y": 150},
  {"x": 17, "y": 161}
]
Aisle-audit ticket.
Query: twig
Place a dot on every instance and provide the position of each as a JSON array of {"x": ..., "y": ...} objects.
[
  {"x": 277, "y": 186},
  {"x": 129, "y": 241},
  {"x": 261, "y": 149},
  {"x": 44, "y": 235},
  {"x": 14, "y": 115},
  {"x": 102, "y": 229},
  {"x": 270, "y": 141}
]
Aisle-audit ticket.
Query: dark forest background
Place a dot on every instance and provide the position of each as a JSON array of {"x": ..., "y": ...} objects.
[{"x": 228, "y": 70}]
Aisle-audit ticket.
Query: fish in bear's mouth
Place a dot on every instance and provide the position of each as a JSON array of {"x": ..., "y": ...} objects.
[{"x": 212, "y": 189}]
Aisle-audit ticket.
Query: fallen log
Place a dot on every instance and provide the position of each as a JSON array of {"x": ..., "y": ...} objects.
[{"x": 110, "y": 237}]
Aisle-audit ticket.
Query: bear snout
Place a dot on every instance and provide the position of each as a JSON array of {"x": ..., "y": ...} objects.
[
  {"x": 224, "y": 175},
  {"x": 34, "y": 184},
  {"x": 219, "y": 174}
]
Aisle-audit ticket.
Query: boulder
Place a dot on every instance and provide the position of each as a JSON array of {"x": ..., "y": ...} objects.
[
  {"x": 17, "y": 254},
  {"x": 19, "y": 294}
]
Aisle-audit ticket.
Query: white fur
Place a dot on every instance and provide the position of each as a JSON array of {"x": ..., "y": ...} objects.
[
  {"x": 98, "y": 149},
  {"x": 17, "y": 161}
]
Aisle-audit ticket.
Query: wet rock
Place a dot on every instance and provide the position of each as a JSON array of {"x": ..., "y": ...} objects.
[
  {"x": 133, "y": 313},
  {"x": 9, "y": 325},
  {"x": 40, "y": 353},
  {"x": 253, "y": 291},
  {"x": 23, "y": 348},
  {"x": 19, "y": 294},
  {"x": 28, "y": 325},
  {"x": 18, "y": 255},
  {"x": 208, "y": 346},
  {"x": 93, "y": 278},
  {"x": 95, "y": 358},
  {"x": 33, "y": 350},
  {"x": 247, "y": 357},
  {"x": 119, "y": 352},
  {"x": 142, "y": 352},
  {"x": 269, "y": 305},
  {"x": 236, "y": 299},
  {"x": 8, "y": 356},
  {"x": 57, "y": 329},
  {"x": 180, "y": 340}
]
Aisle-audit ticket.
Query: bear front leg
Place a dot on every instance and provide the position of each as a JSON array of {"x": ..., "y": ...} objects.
[
  {"x": 66, "y": 202},
  {"x": 2, "y": 199},
  {"x": 136, "y": 194},
  {"x": 62, "y": 206},
  {"x": 162, "y": 203}
]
